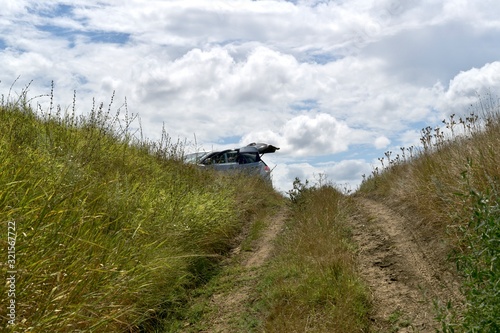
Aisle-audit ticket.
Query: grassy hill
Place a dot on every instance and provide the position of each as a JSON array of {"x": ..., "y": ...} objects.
[
  {"x": 451, "y": 184},
  {"x": 108, "y": 233},
  {"x": 105, "y": 232}
]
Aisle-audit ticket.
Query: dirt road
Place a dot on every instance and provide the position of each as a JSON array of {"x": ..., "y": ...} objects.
[
  {"x": 237, "y": 283},
  {"x": 404, "y": 271},
  {"x": 233, "y": 302}
]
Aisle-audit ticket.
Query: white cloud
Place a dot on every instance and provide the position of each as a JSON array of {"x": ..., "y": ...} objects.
[
  {"x": 313, "y": 134},
  {"x": 475, "y": 81},
  {"x": 13, "y": 7},
  {"x": 410, "y": 138},
  {"x": 318, "y": 78},
  {"x": 381, "y": 142},
  {"x": 319, "y": 135},
  {"x": 346, "y": 174}
]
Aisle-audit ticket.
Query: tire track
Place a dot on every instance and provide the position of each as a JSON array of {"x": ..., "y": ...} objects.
[
  {"x": 400, "y": 271},
  {"x": 229, "y": 304}
]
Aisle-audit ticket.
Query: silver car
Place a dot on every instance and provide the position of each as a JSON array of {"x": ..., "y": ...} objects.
[{"x": 247, "y": 159}]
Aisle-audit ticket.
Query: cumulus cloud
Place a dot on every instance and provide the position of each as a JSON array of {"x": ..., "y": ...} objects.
[
  {"x": 466, "y": 89},
  {"x": 435, "y": 53},
  {"x": 346, "y": 174},
  {"x": 313, "y": 134},
  {"x": 321, "y": 134},
  {"x": 381, "y": 142},
  {"x": 474, "y": 82},
  {"x": 332, "y": 79}
]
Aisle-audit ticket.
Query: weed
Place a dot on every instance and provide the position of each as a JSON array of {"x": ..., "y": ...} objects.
[
  {"x": 311, "y": 284},
  {"x": 397, "y": 320},
  {"x": 479, "y": 258}
]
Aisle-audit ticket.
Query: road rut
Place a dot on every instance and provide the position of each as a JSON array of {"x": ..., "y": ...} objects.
[{"x": 401, "y": 270}]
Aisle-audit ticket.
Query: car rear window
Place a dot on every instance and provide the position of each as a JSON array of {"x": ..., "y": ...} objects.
[{"x": 245, "y": 158}]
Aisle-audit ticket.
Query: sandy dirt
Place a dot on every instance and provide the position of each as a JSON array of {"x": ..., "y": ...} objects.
[
  {"x": 231, "y": 303},
  {"x": 405, "y": 272}
]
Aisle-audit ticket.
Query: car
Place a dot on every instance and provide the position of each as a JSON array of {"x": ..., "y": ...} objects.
[
  {"x": 246, "y": 159},
  {"x": 194, "y": 158}
]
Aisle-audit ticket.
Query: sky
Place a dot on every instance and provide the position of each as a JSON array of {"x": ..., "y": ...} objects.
[{"x": 335, "y": 84}]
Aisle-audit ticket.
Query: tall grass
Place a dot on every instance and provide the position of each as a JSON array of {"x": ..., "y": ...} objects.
[
  {"x": 311, "y": 285},
  {"x": 478, "y": 259},
  {"x": 112, "y": 231},
  {"x": 451, "y": 183}
]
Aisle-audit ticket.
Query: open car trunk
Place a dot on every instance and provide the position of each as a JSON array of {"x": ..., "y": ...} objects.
[{"x": 263, "y": 148}]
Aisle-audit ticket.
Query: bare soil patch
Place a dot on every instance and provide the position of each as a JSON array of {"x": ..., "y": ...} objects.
[
  {"x": 229, "y": 303},
  {"x": 405, "y": 272}
]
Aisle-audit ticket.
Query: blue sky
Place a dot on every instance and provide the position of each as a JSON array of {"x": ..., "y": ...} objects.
[{"x": 335, "y": 84}]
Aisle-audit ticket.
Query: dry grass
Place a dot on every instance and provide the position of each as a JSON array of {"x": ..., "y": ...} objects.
[
  {"x": 445, "y": 184},
  {"x": 311, "y": 285},
  {"x": 427, "y": 183}
]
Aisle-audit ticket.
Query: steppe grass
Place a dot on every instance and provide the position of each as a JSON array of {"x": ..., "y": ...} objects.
[
  {"x": 478, "y": 258},
  {"x": 112, "y": 232},
  {"x": 452, "y": 182},
  {"x": 311, "y": 285},
  {"x": 230, "y": 283}
]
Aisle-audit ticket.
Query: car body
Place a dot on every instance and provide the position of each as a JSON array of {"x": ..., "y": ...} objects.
[
  {"x": 246, "y": 159},
  {"x": 194, "y": 158}
]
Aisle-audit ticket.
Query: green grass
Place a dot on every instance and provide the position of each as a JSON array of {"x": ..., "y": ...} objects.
[
  {"x": 478, "y": 258},
  {"x": 397, "y": 321},
  {"x": 231, "y": 277},
  {"x": 113, "y": 232},
  {"x": 311, "y": 285}
]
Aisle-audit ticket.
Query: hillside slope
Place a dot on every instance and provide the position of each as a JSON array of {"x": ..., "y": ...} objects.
[
  {"x": 447, "y": 197},
  {"x": 105, "y": 232},
  {"x": 406, "y": 272}
]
